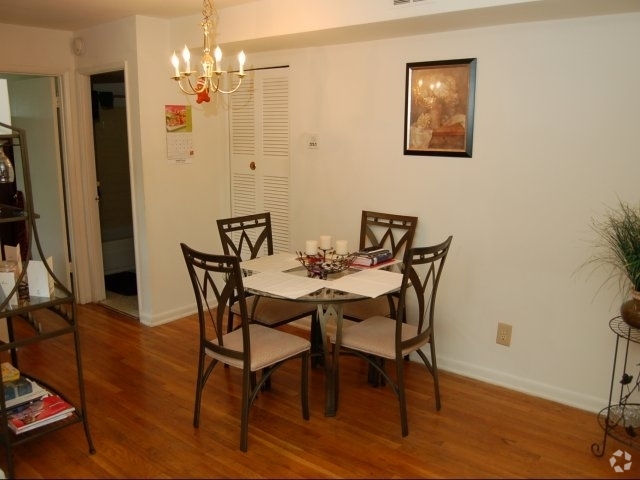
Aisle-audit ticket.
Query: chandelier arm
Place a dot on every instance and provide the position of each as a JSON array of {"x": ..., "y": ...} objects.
[
  {"x": 183, "y": 89},
  {"x": 218, "y": 89},
  {"x": 193, "y": 91}
]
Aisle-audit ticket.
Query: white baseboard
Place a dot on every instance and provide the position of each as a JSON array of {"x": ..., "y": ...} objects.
[{"x": 524, "y": 385}]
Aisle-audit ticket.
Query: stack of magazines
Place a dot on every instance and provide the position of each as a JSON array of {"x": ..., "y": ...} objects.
[
  {"x": 29, "y": 405},
  {"x": 370, "y": 258},
  {"x": 37, "y": 413}
]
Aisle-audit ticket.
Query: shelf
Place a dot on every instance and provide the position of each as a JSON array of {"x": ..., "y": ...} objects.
[
  {"x": 624, "y": 330},
  {"x": 34, "y": 303},
  {"x": 37, "y": 318},
  {"x": 615, "y": 420},
  {"x": 75, "y": 417},
  {"x": 10, "y": 213}
]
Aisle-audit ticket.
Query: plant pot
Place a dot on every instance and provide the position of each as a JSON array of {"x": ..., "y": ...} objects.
[{"x": 630, "y": 310}]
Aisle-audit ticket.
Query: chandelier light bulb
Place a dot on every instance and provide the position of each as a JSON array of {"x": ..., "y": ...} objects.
[
  {"x": 176, "y": 65},
  {"x": 241, "y": 59},
  {"x": 217, "y": 53},
  {"x": 186, "y": 55}
]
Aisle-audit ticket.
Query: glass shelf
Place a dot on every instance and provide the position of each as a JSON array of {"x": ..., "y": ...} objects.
[{"x": 622, "y": 422}]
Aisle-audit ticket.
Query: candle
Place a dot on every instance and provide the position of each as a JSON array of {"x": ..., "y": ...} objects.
[
  {"x": 241, "y": 59},
  {"x": 341, "y": 247},
  {"x": 325, "y": 242},
  {"x": 217, "y": 53},
  {"x": 176, "y": 63},
  {"x": 311, "y": 247},
  {"x": 186, "y": 55}
]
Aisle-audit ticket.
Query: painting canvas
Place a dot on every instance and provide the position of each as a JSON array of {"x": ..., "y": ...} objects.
[{"x": 439, "y": 108}]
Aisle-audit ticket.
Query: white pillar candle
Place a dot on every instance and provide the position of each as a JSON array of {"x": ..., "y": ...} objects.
[
  {"x": 311, "y": 247},
  {"x": 341, "y": 247},
  {"x": 325, "y": 242}
]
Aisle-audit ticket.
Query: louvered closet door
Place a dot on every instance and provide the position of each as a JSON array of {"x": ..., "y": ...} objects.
[{"x": 260, "y": 150}]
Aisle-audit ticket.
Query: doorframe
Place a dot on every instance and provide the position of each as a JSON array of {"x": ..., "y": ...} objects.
[{"x": 87, "y": 221}]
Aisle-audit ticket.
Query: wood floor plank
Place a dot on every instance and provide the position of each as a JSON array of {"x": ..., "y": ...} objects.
[{"x": 140, "y": 384}]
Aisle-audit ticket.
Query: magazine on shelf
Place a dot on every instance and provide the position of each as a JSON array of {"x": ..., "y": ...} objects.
[
  {"x": 35, "y": 392},
  {"x": 38, "y": 413}
]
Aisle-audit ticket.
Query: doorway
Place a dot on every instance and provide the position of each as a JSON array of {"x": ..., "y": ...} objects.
[{"x": 109, "y": 110}]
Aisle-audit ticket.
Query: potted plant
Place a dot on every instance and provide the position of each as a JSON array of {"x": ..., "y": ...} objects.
[{"x": 618, "y": 247}]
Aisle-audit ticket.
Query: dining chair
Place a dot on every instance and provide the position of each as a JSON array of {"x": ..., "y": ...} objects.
[
  {"x": 381, "y": 337},
  {"x": 382, "y": 230},
  {"x": 248, "y": 237},
  {"x": 217, "y": 282}
]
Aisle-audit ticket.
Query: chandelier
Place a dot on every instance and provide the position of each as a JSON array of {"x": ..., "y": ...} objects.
[{"x": 208, "y": 80}]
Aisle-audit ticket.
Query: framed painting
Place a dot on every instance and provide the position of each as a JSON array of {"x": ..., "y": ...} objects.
[{"x": 439, "y": 108}]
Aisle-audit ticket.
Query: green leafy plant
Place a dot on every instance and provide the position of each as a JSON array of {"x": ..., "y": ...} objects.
[{"x": 618, "y": 244}]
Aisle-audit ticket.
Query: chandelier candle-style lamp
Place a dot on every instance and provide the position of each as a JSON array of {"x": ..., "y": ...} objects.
[{"x": 208, "y": 80}]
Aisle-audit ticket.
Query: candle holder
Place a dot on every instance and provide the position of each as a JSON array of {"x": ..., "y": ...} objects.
[
  {"x": 325, "y": 263},
  {"x": 324, "y": 252}
]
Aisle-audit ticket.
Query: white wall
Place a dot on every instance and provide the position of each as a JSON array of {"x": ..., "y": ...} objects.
[
  {"x": 554, "y": 142},
  {"x": 168, "y": 199}
]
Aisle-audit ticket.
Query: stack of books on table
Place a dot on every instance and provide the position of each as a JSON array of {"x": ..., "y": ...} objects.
[
  {"x": 370, "y": 258},
  {"x": 29, "y": 405}
]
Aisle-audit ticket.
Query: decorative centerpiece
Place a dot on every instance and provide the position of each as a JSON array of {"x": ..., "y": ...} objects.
[{"x": 325, "y": 263}]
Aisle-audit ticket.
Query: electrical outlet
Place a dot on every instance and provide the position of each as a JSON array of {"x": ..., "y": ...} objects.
[{"x": 504, "y": 334}]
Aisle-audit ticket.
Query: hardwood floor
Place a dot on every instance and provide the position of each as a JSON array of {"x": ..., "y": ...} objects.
[{"x": 140, "y": 387}]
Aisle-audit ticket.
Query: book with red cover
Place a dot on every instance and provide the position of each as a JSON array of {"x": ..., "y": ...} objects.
[{"x": 41, "y": 412}]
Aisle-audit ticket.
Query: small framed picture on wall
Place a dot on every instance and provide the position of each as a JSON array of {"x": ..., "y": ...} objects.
[{"x": 439, "y": 108}]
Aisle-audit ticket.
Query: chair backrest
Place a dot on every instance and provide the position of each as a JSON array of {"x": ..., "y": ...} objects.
[
  {"x": 387, "y": 230},
  {"x": 248, "y": 236},
  {"x": 422, "y": 270},
  {"x": 217, "y": 282}
]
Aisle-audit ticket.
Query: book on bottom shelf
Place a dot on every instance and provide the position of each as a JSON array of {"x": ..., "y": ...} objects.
[
  {"x": 35, "y": 414},
  {"x": 22, "y": 391}
]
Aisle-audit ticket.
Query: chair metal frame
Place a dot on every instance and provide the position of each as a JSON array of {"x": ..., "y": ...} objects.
[
  {"x": 253, "y": 237},
  {"x": 422, "y": 272},
  {"x": 390, "y": 224},
  {"x": 244, "y": 225},
  {"x": 383, "y": 230},
  {"x": 216, "y": 288}
]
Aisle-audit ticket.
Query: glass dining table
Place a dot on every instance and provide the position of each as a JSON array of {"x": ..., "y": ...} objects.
[{"x": 282, "y": 276}]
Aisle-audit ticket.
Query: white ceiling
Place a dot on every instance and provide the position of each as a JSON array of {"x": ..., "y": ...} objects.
[{"x": 74, "y": 15}]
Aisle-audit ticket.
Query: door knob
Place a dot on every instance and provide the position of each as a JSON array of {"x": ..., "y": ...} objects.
[{"x": 252, "y": 165}]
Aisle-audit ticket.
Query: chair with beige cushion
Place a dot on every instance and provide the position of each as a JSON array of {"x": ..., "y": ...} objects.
[
  {"x": 381, "y": 337},
  {"x": 251, "y": 347}
]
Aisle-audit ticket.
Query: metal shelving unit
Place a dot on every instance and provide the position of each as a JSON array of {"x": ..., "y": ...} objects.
[
  {"x": 620, "y": 419},
  {"x": 44, "y": 317}
]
